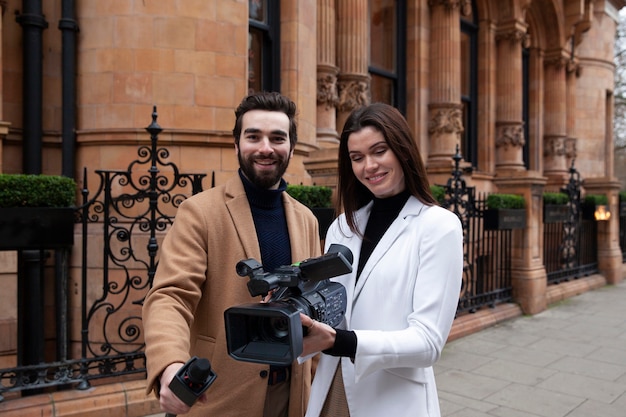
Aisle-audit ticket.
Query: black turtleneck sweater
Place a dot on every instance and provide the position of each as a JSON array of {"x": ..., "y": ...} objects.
[
  {"x": 384, "y": 212},
  {"x": 270, "y": 223}
]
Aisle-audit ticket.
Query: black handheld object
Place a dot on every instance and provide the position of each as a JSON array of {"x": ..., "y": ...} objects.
[
  {"x": 271, "y": 333},
  {"x": 195, "y": 377}
]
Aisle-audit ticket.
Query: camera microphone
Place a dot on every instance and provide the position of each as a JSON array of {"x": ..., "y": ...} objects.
[{"x": 192, "y": 380}]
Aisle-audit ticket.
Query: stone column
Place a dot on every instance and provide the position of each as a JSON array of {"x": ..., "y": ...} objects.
[
  {"x": 556, "y": 120},
  {"x": 528, "y": 273},
  {"x": 352, "y": 56},
  {"x": 327, "y": 71},
  {"x": 609, "y": 251},
  {"x": 445, "y": 116},
  {"x": 527, "y": 269},
  {"x": 509, "y": 123}
]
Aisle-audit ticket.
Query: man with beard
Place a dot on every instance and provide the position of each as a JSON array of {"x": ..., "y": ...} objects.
[{"x": 250, "y": 216}]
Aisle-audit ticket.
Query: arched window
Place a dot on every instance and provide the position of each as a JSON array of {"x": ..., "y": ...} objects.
[
  {"x": 387, "y": 52},
  {"x": 263, "y": 45},
  {"x": 469, "y": 86}
]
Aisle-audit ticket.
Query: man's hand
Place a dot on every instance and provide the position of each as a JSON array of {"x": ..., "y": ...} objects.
[{"x": 168, "y": 401}]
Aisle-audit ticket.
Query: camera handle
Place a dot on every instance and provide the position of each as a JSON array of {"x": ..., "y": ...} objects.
[{"x": 192, "y": 380}]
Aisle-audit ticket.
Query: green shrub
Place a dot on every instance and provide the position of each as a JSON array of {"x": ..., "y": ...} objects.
[
  {"x": 555, "y": 198},
  {"x": 596, "y": 199},
  {"x": 622, "y": 196},
  {"x": 505, "y": 201},
  {"x": 439, "y": 192},
  {"x": 22, "y": 190},
  {"x": 312, "y": 196}
]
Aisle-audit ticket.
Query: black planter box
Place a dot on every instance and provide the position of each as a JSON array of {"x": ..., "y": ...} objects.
[
  {"x": 588, "y": 211},
  {"x": 622, "y": 208},
  {"x": 555, "y": 213},
  {"x": 36, "y": 227},
  {"x": 504, "y": 219}
]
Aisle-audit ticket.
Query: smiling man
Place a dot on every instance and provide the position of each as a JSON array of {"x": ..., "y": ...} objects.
[{"x": 251, "y": 216}]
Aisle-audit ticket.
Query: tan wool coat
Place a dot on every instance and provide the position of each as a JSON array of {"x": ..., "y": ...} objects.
[{"x": 196, "y": 280}]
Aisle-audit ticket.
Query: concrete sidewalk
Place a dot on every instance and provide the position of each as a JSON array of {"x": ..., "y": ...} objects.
[{"x": 569, "y": 360}]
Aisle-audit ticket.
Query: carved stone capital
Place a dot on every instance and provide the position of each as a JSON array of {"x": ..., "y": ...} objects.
[
  {"x": 553, "y": 146},
  {"x": 557, "y": 62},
  {"x": 353, "y": 92},
  {"x": 327, "y": 89},
  {"x": 465, "y": 6},
  {"x": 448, "y": 119},
  {"x": 570, "y": 148},
  {"x": 514, "y": 35},
  {"x": 510, "y": 134}
]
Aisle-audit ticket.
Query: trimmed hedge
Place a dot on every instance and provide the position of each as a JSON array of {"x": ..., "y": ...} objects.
[
  {"x": 438, "y": 192},
  {"x": 24, "y": 190},
  {"x": 312, "y": 196},
  {"x": 555, "y": 198},
  {"x": 505, "y": 201},
  {"x": 596, "y": 199}
]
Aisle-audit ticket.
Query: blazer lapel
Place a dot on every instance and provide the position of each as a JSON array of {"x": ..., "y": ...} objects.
[
  {"x": 410, "y": 209},
  {"x": 239, "y": 209}
]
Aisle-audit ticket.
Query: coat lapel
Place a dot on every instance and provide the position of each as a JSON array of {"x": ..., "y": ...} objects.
[
  {"x": 410, "y": 209},
  {"x": 239, "y": 209}
]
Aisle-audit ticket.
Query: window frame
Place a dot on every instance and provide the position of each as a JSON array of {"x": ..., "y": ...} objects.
[
  {"x": 398, "y": 79},
  {"x": 270, "y": 55},
  {"x": 470, "y": 101}
]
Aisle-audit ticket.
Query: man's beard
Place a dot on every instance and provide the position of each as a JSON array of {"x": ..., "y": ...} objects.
[{"x": 266, "y": 179}]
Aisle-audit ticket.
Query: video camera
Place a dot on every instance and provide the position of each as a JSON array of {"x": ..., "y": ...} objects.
[{"x": 271, "y": 333}]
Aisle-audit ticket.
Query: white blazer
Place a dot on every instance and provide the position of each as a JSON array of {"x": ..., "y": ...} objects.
[{"x": 401, "y": 309}]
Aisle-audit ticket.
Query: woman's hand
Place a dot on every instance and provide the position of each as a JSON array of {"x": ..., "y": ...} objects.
[{"x": 318, "y": 337}]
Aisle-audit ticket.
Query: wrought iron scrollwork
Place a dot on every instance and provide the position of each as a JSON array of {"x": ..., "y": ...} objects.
[
  {"x": 128, "y": 214},
  {"x": 460, "y": 199}
]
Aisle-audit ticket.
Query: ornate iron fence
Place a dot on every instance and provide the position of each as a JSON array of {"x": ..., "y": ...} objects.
[
  {"x": 126, "y": 217},
  {"x": 570, "y": 247},
  {"x": 487, "y": 253}
]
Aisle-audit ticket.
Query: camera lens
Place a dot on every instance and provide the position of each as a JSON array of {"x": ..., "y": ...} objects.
[{"x": 276, "y": 329}]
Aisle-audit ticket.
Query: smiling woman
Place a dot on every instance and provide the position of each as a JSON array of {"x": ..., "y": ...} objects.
[{"x": 411, "y": 250}]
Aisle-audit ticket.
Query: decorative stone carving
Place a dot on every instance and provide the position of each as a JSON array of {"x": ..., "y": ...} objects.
[
  {"x": 352, "y": 94},
  {"x": 570, "y": 148},
  {"x": 514, "y": 36},
  {"x": 327, "y": 90},
  {"x": 465, "y": 6},
  {"x": 510, "y": 135},
  {"x": 554, "y": 146},
  {"x": 446, "y": 120}
]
